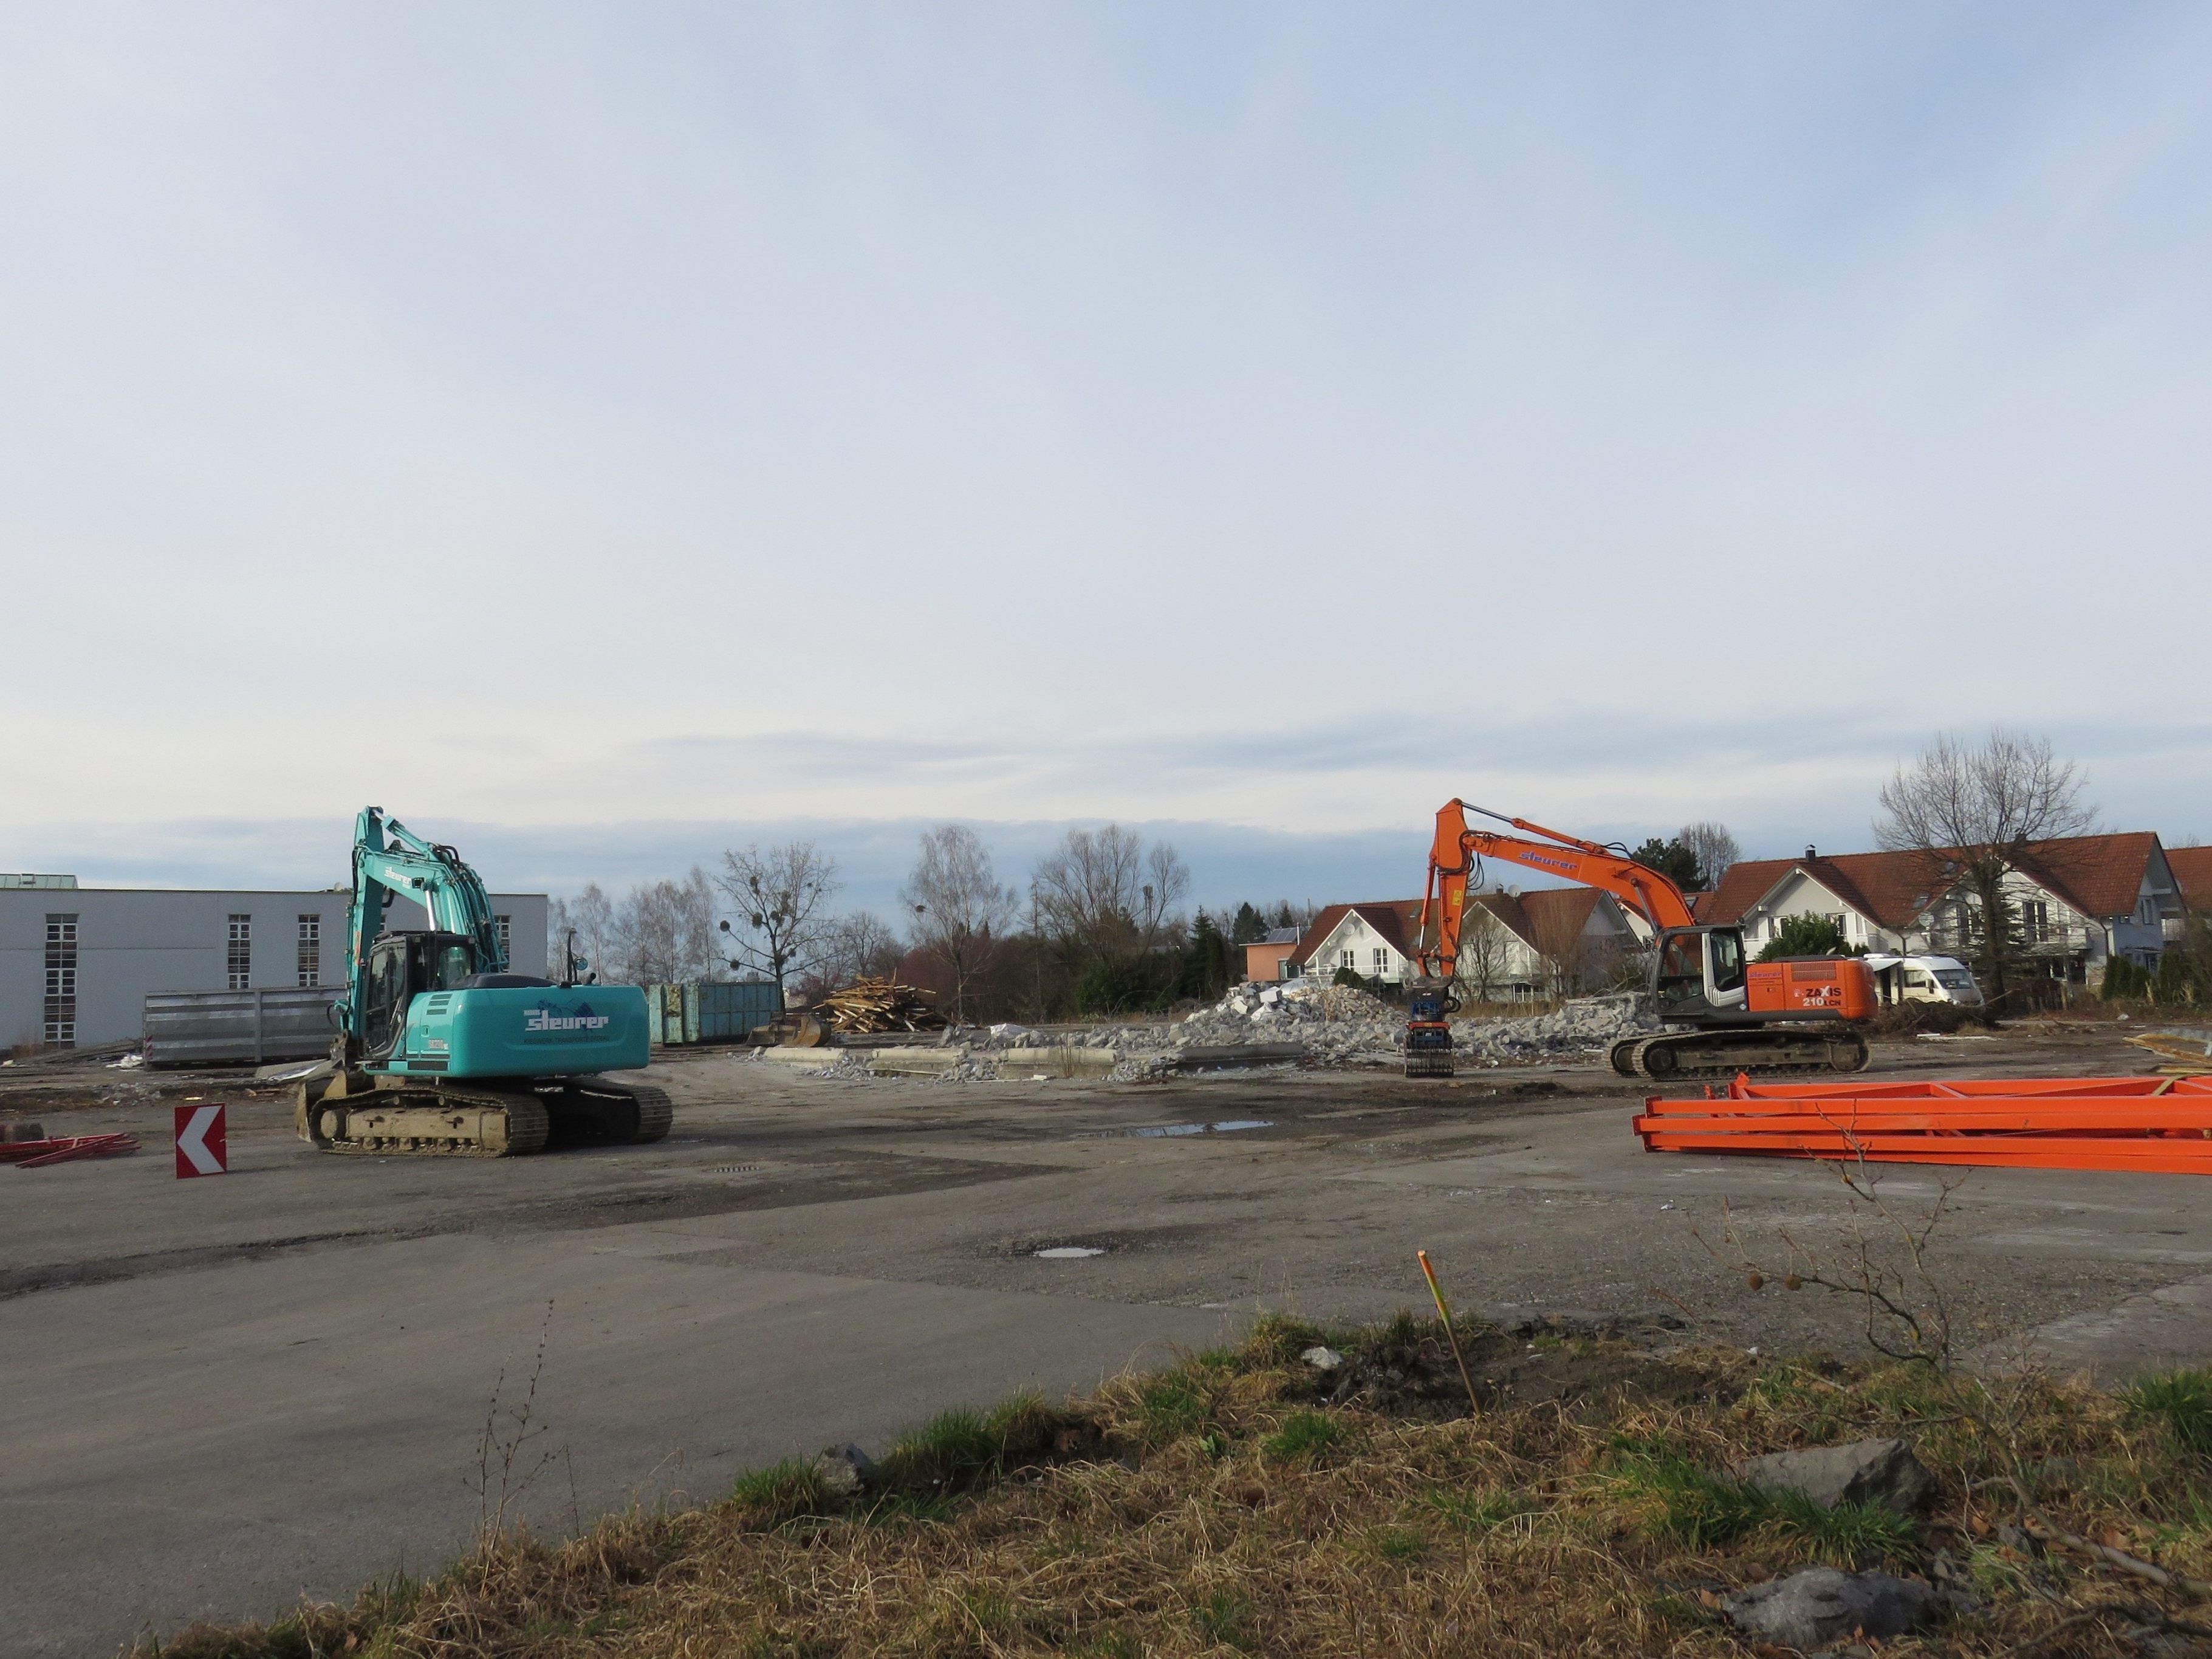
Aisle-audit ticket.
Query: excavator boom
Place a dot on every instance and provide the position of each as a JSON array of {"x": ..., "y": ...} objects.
[{"x": 1456, "y": 846}]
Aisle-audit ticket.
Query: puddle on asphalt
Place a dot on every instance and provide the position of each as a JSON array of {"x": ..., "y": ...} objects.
[
  {"x": 1157, "y": 1130},
  {"x": 1066, "y": 1252}
]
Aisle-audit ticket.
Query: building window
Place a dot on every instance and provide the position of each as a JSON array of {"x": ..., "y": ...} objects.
[
  {"x": 504, "y": 928},
  {"x": 60, "y": 1022},
  {"x": 240, "y": 963},
  {"x": 311, "y": 949},
  {"x": 1382, "y": 962},
  {"x": 1348, "y": 960},
  {"x": 2034, "y": 921}
]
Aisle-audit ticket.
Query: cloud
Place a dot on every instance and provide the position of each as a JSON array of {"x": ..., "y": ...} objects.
[{"x": 1284, "y": 418}]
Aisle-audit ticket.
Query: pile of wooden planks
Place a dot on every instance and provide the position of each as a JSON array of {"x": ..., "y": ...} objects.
[
  {"x": 878, "y": 1005},
  {"x": 2162, "y": 1124}
]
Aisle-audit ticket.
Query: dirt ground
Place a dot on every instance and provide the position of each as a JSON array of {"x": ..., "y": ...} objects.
[{"x": 277, "y": 1381}]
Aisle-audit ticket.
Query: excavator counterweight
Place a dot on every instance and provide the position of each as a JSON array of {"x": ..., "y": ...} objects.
[{"x": 1721, "y": 1015}]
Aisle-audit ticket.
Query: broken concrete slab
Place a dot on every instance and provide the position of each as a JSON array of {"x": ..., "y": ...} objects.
[
  {"x": 914, "y": 1062},
  {"x": 1062, "y": 1062},
  {"x": 1815, "y": 1607},
  {"x": 1883, "y": 1471}
]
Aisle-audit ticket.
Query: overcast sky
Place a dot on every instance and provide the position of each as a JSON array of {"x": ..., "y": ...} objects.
[{"x": 612, "y": 431}]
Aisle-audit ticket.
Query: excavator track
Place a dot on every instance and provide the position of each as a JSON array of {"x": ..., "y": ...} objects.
[
  {"x": 392, "y": 1117},
  {"x": 1783, "y": 1051}
]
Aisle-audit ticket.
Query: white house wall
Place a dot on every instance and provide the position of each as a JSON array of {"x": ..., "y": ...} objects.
[
  {"x": 132, "y": 942},
  {"x": 1353, "y": 934}
]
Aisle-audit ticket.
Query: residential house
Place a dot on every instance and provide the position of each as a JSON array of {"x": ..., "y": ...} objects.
[
  {"x": 2077, "y": 901},
  {"x": 1269, "y": 956},
  {"x": 1514, "y": 957},
  {"x": 2192, "y": 869}
]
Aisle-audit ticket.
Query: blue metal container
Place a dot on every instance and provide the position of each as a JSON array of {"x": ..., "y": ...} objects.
[{"x": 709, "y": 1011}]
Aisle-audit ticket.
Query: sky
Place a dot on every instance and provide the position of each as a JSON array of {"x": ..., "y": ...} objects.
[{"x": 604, "y": 435}]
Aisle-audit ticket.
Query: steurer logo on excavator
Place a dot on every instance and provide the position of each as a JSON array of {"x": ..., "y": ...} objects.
[{"x": 546, "y": 1017}]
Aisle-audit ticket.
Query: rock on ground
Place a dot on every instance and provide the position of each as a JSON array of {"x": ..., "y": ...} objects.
[
  {"x": 1815, "y": 1607},
  {"x": 1883, "y": 1472}
]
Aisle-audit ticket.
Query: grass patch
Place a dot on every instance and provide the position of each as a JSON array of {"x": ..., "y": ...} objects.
[
  {"x": 1479, "y": 1511},
  {"x": 1219, "y": 1507},
  {"x": 1305, "y": 1434},
  {"x": 1700, "y": 1510},
  {"x": 2181, "y": 1402}
]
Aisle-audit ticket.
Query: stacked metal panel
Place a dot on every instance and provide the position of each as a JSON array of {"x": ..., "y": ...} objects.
[{"x": 2151, "y": 1123}]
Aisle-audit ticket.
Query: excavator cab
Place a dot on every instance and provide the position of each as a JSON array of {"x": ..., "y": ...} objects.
[
  {"x": 400, "y": 966},
  {"x": 1699, "y": 973}
]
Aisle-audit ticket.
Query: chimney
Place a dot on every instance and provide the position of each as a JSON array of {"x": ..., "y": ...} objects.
[{"x": 1812, "y": 853}]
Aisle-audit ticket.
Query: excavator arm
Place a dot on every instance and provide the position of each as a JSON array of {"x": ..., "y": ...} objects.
[
  {"x": 1456, "y": 846},
  {"x": 434, "y": 876}
]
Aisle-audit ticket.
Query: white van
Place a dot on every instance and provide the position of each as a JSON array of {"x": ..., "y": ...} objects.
[{"x": 1923, "y": 979}]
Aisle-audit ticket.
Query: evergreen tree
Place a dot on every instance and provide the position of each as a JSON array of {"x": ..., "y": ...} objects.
[
  {"x": 1804, "y": 936},
  {"x": 1205, "y": 961},
  {"x": 1250, "y": 928},
  {"x": 1672, "y": 860}
]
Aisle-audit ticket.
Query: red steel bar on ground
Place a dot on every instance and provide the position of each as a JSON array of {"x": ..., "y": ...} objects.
[{"x": 67, "y": 1149}]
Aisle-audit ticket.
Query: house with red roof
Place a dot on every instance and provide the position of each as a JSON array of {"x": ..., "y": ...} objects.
[
  {"x": 2077, "y": 901},
  {"x": 2192, "y": 868},
  {"x": 1511, "y": 944}
]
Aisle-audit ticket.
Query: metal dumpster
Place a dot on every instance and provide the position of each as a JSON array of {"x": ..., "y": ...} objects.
[
  {"x": 197, "y": 1027},
  {"x": 709, "y": 1011}
]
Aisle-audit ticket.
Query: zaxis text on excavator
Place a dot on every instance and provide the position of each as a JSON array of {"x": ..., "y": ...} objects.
[
  {"x": 441, "y": 1050},
  {"x": 1722, "y": 1014}
]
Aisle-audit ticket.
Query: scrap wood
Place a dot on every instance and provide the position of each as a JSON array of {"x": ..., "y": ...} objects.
[
  {"x": 65, "y": 1149},
  {"x": 878, "y": 1004}
]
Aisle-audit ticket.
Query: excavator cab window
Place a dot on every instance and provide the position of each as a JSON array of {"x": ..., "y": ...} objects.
[
  {"x": 1726, "y": 957},
  {"x": 1682, "y": 971},
  {"x": 452, "y": 964},
  {"x": 387, "y": 994}
]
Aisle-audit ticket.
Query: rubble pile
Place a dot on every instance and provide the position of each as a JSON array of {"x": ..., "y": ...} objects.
[{"x": 1341, "y": 1025}]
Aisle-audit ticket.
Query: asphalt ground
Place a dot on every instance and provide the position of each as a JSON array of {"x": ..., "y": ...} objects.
[{"x": 224, "y": 1393}]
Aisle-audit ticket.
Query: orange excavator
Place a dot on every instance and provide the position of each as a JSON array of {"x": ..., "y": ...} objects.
[{"x": 1721, "y": 1014}]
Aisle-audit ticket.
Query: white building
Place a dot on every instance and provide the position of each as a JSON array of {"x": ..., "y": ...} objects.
[
  {"x": 77, "y": 963},
  {"x": 1511, "y": 945},
  {"x": 2075, "y": 904}
]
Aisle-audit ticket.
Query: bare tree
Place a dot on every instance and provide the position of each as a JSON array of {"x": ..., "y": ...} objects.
[
  {"x": 1485, "y": 949},
  {"x": 1105, "y": 894},
  {"x": 960, "y": 910},
  {"x": 1973, "y": 813},
  {"x": 580, "y": 933},
  {"x": 858, "y": 945},
  {"x": 664, "y": 933},
  {"x": 778, "y": 895},
  {"x": 1563, "y": 947},
  {"x": 1716, "y": 849}
]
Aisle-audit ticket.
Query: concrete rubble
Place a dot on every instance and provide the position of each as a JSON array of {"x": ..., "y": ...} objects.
[
  {"x": 1883, "y": 1471},
  {"x": 1817, "y": 1606},
  {"x": 1303, "y": 1022}
]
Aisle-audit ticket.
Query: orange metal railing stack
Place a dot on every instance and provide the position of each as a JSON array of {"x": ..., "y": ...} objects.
[{"x": 2155, "y": 1123}]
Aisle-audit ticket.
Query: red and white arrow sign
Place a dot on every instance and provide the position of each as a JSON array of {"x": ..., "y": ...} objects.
[{"x": 200, "y": 1149}]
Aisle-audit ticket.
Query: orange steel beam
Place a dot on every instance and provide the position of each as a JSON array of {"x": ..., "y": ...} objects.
[
  {"x": 2156, "y": 1158},
  {"x": 2088, "y": 1120},
  {"x": 2151, "y": 1123}
]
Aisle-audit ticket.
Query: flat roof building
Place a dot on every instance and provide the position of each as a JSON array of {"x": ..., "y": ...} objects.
[{"x": 77, "y": 963}]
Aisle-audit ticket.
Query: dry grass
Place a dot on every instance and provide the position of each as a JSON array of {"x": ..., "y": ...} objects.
[{"x": 1225, "y": 1508}]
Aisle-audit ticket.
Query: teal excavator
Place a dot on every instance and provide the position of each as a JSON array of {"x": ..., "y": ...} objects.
[{"x": 441, "y": 1050}]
